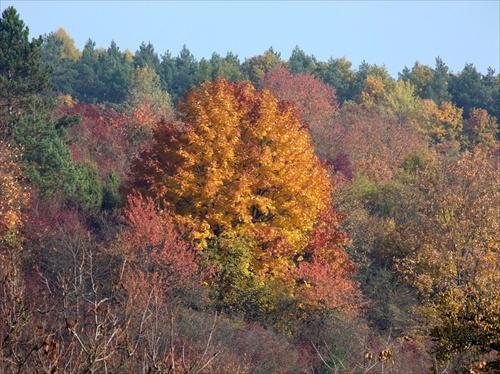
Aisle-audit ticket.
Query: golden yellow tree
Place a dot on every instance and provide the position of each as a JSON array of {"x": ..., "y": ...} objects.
[
  {"x": 373, "y": 91},
  {"x": 239, "y": 167},
  {"x": 68, "y": 49}
]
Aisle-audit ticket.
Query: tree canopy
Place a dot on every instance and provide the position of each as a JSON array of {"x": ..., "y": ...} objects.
[{"x": 239, "y": 163}]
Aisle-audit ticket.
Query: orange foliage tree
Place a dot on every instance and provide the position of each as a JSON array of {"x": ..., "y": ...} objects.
[{"x": 239, "y": 167}]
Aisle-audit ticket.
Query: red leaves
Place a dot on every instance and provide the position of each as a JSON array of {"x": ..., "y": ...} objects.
[
  {"x": 316, "y": 100},
  {"x": 375, "y": 144},
  {"x": 324, "y": 271},
  {"x": 99, "y": 137},
  {"x": 151, "y": 244}
]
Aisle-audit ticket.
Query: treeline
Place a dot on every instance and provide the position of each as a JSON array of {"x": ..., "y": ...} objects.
[
  {"x": 98, "y": 75},
  {"x": 171, "y": 215}
]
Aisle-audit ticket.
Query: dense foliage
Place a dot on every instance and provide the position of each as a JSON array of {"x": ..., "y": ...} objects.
[{"x": 164, "y": 214}]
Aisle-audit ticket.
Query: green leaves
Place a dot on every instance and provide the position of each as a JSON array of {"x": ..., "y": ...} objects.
[
  {"x": 89, "y": 189},
  {"x": 46, "y": 155},
  {"x": 20, "y": 72}
]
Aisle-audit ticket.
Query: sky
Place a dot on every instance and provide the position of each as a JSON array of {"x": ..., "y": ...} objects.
[{"x": 394, "y": 33}]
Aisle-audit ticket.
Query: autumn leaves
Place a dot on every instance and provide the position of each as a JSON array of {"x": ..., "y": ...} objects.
[{"x": 245, "y": 170}]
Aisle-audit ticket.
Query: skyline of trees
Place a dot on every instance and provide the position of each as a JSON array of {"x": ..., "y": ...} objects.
[{"x": 468, "y": 88}]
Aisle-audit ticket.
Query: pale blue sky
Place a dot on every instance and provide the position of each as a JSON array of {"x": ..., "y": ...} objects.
[{"x": 396, "y": 33}]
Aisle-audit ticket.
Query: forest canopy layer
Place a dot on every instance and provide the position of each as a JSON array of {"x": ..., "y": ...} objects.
[{"x": 164, "y": 214}]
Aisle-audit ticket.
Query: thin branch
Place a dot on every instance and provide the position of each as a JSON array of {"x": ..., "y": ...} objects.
[{"x": 321, "y": 357}]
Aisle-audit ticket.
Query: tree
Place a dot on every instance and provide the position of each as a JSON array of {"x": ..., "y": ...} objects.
[
  {"x": 151, "y": 247},
  {"x": 492, "y": 99},
  {"x": 339, "y": 75},
  {"x": 89, "y": 87},
  {"x": 316, "y": 101},
  {"x": 240, "y": 165},
  {"x": 395, "y": 99},
  {"x": 228, "y": 67},
  {"x": 451, "y": 252},
  {"x": 480, "y": 130},
  {"x": 366, "y": 70},
  {"x": 442, "y": 125},
  {"x": 438, "y": 89},
  {"x": 21, "y": 74},
  {"x": 401, "y": 102},
  {"x": 15, "y": 312},
  {"x": 146, "y": 56},
  {"x": 470, "y": 89},
  {"x": 63, "y": 68},
  {"x": 299, "y": 62},
  {"x": 106, "y": 138},
  {"x": 255, "y": 67},
  {"x": 46, "y": 157},
  {"x": 149, "y": 103},
  {"x": 420, "y": 77},
  {"x": 14, "y": 197},
  {"x": 375, "y": 144},
  {"x": 179, "y": 74},
  {"x": 68, "y": 49},
  {"x": 115, "y": 73},
  {"x": 103, "y": 75},
  {"x": 89, "y": 190},
  {"x": 374, "y": 91}
]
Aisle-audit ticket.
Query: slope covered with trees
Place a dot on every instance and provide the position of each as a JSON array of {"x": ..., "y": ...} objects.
[{"x": 164, "y": 214}]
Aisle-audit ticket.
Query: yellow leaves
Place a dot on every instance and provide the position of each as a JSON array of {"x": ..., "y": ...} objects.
[
  {"x": 13, "y": 196},
  {"x": 68, "y": 49},
  {"x": 454, "y": 263},
  {"x": 240, "y": 176},
  {"x": 246, "y": 164},
  {"x": 442, "y": 125},
  {"x": 450, "y": 115},
  {"x": 373, "y": 91},
  {"x": 66, "y": 100}
]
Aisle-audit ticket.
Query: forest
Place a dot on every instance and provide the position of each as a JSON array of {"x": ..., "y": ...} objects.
[{"x": 163, "y": 214}]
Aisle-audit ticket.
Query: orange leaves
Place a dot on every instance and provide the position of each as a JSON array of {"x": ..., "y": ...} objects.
[
  {"x": 449, "y": 114},
  {"x": 373, "y": 91},
  {"x": 244, "y": 159},
  {"x": 241, "y": 165},
  {"x": 481, "y": 130}
]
